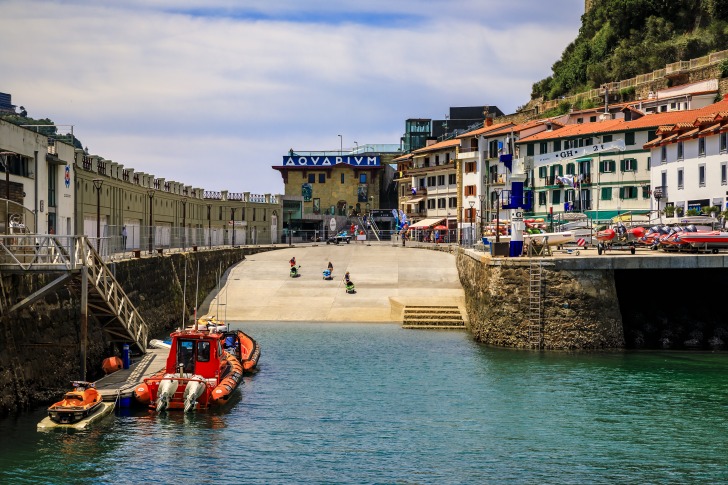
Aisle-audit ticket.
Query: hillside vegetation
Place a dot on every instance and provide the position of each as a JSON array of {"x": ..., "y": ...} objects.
[{"x": 620, "y": 39}]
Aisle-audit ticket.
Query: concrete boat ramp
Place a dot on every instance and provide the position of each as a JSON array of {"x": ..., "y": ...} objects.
[{"x": 391, "y": 283}]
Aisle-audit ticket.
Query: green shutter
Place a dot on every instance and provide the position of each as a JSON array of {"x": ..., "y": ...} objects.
[
  {"x": 556, "y": 197},
  {"x": 622, "y": 164},
  {"x": 606, "y": 193},
  {"x": 601, "y": 166},
  {"x": 542, "y": 172},
  {"x": 561, "y": 170},
  {"x": 621, "y": 192}
]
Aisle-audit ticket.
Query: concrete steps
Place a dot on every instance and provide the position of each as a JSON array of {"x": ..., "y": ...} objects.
[{"x": 440, "y": 317}]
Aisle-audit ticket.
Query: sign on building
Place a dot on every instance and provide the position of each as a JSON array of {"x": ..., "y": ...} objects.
[
  {"x": 577, "y": 152},
  {"x": 329, "y": 161}
]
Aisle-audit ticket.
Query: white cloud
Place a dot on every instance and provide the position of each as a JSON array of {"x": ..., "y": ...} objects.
[{"x": 158, "y": 86}]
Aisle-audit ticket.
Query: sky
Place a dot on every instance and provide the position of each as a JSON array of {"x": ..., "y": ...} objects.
[{"x": 213, "y": 93}]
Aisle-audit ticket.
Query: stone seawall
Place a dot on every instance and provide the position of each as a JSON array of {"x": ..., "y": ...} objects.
[
  {"x": 580, "y": 309},
  {"x": 39, "y": 345}
]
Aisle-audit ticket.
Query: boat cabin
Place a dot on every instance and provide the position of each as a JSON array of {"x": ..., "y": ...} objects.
[{"x": 196, "y": 352}]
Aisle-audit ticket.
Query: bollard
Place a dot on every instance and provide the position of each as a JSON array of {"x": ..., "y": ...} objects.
[{"x": 125, "y": 356}]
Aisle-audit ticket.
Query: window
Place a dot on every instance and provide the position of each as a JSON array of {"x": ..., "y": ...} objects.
[
  {"x": 645, "y": 191},
  {"x": 629, "y": 138},
  {"x": 579, "y": 121},
  {"x": 203, "y": 351},
  {"x": 529, "y": 150},
  {"x": 679, "y": 178},
  {"x": 556, "y": 197},
  {"x": 543, "y": 147},
  {"x": 607, "y": 166},
  {"x": 651, "y": 135},
  {"x": 723, "y": 142},
  {"x": 452, "y": 202},
  {"x": 362, "y": 178},
  {"x": 542, "y": 198},
  {"x": 52, "y": 177},
  {"x": 437, "y": 160},
  {"x": 322, "y": 178},
  {"x": 557, "y": 145},
  {"x": 440, "y": 180},
  {"x": 452, "y": 179},
  {"x": 680, "y": 150},
  {"x": 441, "y": 203},
  {"x": 312, "y": 178},
  {"x": 606, "y": 193},
  {"x": 649, "y": 162},
  {"x": 342, "y": 177},
  {"x": 588, "y": 141},
  {"x": 431, "y": 181},
  {"x": 628, "y": 192},
  {"x": 470, "y": 167},
  {"x": 430, "y": 203},
  {"x": 469, "y": 190},
  {"x": 701, "y": 147},
  {"x": 629, "y": 165},
  {"x": 663, "y": 155},
  {"x": 606, "y": 138},
  {"x": 542, "y": 171},
  {"x": 592, "y": 119},
  {"x": 570, "y": 169},
  {"x": 569, "y": 195},
  {"x": 701, "y": 174},
  {"x": 723, "y": 174}
]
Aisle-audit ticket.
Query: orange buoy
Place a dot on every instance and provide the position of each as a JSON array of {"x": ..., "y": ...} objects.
[
  {"x": 111, "y": 365},
  {"x": 142, "y": 394}
]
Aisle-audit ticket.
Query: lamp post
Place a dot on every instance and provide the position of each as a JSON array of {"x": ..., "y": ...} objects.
[
  {"x": 356, "y": 150},
  {"x": 97, "y": 185},
  {"x": 4, "y": 160},
  {"x": 209, "y": 227},
  {"x": 472, "y": 223},
  {"x": 290, "y": 231},
  {"x": 150, "y": 193},
  {"x": 480, "y": 220},
  {"x": 497, "y": 215},
  {"x": 447, "y": 221},
  {"x": 184, "y": 223},
  {"x": 232, "y": 219},
  {"x": 341, "y": 145}
]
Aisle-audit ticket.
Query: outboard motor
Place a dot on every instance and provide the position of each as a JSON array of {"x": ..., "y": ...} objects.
[{"x": 691, "y": 228}]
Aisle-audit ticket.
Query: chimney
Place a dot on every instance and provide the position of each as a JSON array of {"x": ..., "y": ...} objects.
[{"x": 488, "y": 122}]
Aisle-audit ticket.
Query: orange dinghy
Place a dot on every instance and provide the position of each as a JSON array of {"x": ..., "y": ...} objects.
[
  {"x": 202, "y": 369},
  {"x": 244, "y": 348},
  {"x": 83, "y": 401}
]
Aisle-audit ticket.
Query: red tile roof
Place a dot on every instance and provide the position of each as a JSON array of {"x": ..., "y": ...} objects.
[
  {"x": 437, "y": 146},
  {"x": 483, "y": 130}
]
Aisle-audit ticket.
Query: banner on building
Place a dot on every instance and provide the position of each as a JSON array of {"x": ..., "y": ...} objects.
[{"x": 577, "y": 152}]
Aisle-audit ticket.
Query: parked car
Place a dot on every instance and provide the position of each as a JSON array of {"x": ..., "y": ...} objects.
[{"x": 341, "y": 237}]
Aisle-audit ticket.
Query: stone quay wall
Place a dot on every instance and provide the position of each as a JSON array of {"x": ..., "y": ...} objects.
[
  {"x": 39, "y": 345},
  {"x": 580, "y": 308}
]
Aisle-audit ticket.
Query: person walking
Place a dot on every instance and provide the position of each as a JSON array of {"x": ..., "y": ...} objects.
[{"x": 123, "y": 237}]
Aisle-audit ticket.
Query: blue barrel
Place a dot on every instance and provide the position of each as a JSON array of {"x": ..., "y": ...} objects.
[{"x": 125, "y": 356}]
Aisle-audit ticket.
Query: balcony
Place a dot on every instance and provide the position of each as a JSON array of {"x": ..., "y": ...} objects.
[{"x": 497, "y": 179}]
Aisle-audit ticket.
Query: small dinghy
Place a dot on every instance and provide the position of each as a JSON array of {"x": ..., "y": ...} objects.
[{"x": 83, "y": 401}]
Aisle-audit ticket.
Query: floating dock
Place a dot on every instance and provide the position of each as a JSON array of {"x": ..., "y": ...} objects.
[
  {"x": 105, "y": 409},
  {"x": 119, "y": 386}
]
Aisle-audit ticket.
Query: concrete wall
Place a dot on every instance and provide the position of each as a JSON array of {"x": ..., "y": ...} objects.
[
  {"x": 580, "y": 308},
  {"x": 39, "y": 346}
]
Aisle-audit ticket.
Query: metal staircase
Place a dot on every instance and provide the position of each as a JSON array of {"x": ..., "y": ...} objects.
[
  {"x": 81, "y": 267},
  {"x": 535, "y": 322},
  {"x": 371, "y": 227}
]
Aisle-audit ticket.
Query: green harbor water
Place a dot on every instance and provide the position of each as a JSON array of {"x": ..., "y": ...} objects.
[{"x": 373, "y": 403}]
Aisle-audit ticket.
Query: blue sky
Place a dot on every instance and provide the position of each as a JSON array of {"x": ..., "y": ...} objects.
[{"x": 213, "y": 93}]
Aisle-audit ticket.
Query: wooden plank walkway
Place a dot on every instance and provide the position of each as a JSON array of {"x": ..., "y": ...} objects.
[{"x": 121, "y": 383}]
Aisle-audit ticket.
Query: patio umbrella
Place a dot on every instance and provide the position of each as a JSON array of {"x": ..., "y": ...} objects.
[{"x": 440, "y": 228}]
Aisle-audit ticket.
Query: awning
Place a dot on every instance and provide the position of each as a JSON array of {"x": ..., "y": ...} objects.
[
  {"x": 413, "y": 201},
  {"x": 426, "y": 223},
  {"x": 584, "y": 159},
  {"x": 605, "y": 215}
]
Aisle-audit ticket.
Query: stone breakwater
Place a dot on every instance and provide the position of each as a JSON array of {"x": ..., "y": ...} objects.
[
  {"x": 580, "y": 309},
  {"x": 39, "y": 345}
]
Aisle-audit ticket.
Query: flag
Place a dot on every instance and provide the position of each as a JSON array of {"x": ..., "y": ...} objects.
[{"x": 507, "y": 161}]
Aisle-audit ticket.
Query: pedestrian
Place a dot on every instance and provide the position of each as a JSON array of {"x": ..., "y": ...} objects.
[
  {"x": 437, "y": 236},
  {"x": 123, "y": 237},
  {"x": 331, "y": 267},
  {"x": 404, "y": 237}
]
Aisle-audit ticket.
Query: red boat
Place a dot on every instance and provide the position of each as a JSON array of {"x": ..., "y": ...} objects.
[
  {"x": 203, "y": 368},
  {"x": 713, "y": 240},
  {"x": 606, "y": 235}
]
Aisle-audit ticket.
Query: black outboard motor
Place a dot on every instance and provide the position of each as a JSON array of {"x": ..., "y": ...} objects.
[{"x": 691, "y": 228}]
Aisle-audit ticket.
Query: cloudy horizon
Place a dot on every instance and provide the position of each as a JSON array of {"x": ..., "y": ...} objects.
[{"x": 213, "y": 93}]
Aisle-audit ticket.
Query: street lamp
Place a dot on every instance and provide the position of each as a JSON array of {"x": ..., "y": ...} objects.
[
  {"x": 341, "y": 145},
  {"x": 480, "y": 225},
  {"x": 209, "y": 227},
  {"x": 472, "y": 223},
  {"x": 150, "y": 193},
  {"x": 357, "y": 147},
  {"x": 232, "y": 219},
  {"x": 97, "y": 185},
  {"x": 447, "y": 221},
  {"x": 184, "y": 223},
  {"x": 497, "y": 215},
  {"x": 4, "y": 161}
]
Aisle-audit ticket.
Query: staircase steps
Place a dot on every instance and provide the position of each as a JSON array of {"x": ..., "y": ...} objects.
[
  {"x": 434, "y": 317},
  {"x": 535, "y": 317}
]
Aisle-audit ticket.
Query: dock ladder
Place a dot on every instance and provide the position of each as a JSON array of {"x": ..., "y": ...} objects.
[{"x": 535, "y": 334}]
